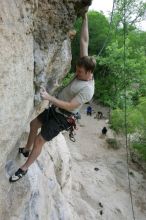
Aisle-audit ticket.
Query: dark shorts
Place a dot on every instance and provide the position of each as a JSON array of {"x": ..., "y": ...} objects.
[{"x": 52, "y": 123}]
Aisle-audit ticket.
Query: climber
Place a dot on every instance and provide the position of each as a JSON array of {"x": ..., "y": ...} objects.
[{"x": 68, "y": 102}]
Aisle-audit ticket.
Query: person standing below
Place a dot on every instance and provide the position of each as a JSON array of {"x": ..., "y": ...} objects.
[
  {"x": 89, "y": 110},
  {"x": 69, "y": 101}
]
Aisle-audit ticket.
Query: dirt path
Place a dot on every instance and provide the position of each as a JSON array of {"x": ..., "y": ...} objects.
[{"x": 103, "y": 193}]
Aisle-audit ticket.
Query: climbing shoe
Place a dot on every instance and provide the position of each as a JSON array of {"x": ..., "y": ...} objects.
[
  {"x": 24, "y": 152},
  {"x": 18, "y": 175}
]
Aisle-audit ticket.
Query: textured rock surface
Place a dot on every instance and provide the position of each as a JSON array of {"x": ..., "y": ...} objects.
[
  {"x": 45, "y": 192},
  {"x": 16, "y": 73},
  {"x": 34, "y": 51},
  {"x": 52, "y": 53}
]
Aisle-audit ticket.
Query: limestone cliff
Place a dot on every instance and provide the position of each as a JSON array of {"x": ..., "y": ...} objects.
[{"x": 34, "y": 51}]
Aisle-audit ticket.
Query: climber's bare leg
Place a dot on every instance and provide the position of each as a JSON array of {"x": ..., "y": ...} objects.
[
  {"x": 35, "y": 124},
  {"x": 37, "y": 148}
]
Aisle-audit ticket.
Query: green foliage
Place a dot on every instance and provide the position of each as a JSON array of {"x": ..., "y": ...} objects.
[
  {"x": 111, "y": 79},
  {"x": 142, "y": 107},
  {"x": 134, "y": 12},
  {"x": 136, "y": 123},
  {"x": 98, "y": 31},
  {"x": 141, "y": 149},
  {"x": 117, "y": 120},
  {"x": 135, "y": 120}
]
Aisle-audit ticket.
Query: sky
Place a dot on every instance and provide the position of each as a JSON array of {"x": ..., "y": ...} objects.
[{"x": 106, "y": 7}]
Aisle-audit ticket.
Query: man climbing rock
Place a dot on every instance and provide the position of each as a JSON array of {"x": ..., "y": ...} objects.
[{"x": 56, "y": 118}]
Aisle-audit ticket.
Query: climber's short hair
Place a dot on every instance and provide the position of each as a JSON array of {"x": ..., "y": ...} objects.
[
  {"x": 87, "y": 62},
  {"x": 86, "y": 2}
]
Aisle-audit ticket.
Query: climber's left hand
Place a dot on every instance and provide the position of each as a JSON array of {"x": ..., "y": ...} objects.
[{"x": 45, "y": 95}]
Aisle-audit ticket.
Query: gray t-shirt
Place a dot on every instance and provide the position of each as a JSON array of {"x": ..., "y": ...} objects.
[{"x": 79, "y": 90}]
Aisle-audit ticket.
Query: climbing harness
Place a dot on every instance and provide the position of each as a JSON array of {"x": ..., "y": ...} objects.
[
  {"x": 72, "y": 121},
  {"x": 70, "y": 117}
]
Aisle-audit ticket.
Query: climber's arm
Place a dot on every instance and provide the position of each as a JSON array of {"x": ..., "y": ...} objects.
[
  {"x": 69, "y": 106},
  {"x": 84, "y": 38}
]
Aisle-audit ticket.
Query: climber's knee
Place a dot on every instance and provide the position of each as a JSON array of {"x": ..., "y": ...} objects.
[
  {"x": 35, "y": 124},
  {"x": 39, "y": 141}
]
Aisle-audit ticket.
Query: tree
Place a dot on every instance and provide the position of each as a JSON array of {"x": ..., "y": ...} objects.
[
  {"x": 110, "y": 82},
  {"x": 134, "y": 12}
]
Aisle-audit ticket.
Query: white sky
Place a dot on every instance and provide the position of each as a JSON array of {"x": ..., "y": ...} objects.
[
  {"x": 103, "y": 5},
  {"x": 106, "y": 7}
]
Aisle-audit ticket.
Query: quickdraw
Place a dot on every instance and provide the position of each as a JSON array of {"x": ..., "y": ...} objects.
[{"x": 72, "y": 121}]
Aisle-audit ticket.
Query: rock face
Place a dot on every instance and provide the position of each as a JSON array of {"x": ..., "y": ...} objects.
[
  {"x": 16, "y": 73},
  {"x": 52, "y": 53},
  {"x": 45, "y": 192},
  {"x": 34, "y": 51}
]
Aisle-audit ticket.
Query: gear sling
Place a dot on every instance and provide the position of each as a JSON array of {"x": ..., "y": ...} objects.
[{"x": 70, "y": 117}]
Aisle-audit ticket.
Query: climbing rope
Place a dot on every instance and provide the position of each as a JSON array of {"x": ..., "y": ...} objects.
[
  {"x": 125, "y": 91},
  {"x": 125, "y": 108},
  {"x": 110, "y": 24}
]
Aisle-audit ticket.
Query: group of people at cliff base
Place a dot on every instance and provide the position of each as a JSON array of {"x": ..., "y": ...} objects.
[
  {"x": 89, "y": 111},
  {"x": 99, "y": 115},
  {"x": 67, "y": 104}
]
